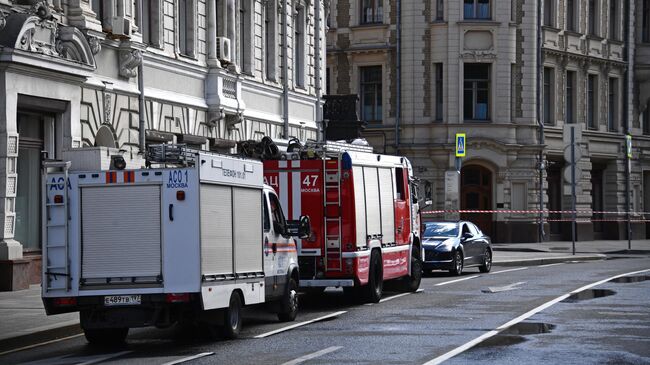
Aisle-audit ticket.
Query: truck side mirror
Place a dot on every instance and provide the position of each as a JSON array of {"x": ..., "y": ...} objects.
[
  {"x": 300, "y": 228},
  {"x": 279, "y": 228}
]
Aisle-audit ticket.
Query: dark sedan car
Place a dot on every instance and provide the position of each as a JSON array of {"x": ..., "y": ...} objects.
[{"x": 454, "y": 246}]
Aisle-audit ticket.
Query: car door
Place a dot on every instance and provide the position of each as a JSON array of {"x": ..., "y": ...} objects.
[
  {"x": 282, "y": 245},
  {"x": 269, "y": 256},
  {"x": 469, "y": 244},
  {"x": 481, "y": 242}
]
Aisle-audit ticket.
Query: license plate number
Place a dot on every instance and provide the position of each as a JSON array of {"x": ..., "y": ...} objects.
[{"x": 122, "y": 300}]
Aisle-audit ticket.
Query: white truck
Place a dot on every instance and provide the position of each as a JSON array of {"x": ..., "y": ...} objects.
[{"x": 194, "y": 237}]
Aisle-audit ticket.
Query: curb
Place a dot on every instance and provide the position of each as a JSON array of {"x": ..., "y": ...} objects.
[
  {"x": 21, "y": 342},
  {"x": 549, "y": 260}
]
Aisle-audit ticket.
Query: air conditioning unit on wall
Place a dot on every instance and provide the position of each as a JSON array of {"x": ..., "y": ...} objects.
[
  {"x": 223, "y": 49},
  {"x": 121, "y": 26}
]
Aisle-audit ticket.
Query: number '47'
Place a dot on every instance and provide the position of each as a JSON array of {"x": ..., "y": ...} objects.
[{"x": 310, "y": 180}]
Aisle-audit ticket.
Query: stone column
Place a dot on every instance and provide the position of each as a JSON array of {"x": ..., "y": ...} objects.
[
  {"x": 212, "y": 33},
  {"x": 10, "y": 249}
]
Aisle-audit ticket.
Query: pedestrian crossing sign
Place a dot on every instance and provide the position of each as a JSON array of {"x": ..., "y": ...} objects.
[{"x": 460, "y": 144}]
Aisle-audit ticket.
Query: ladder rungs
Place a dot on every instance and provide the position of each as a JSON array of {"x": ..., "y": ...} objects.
[
  {"x": 55, "y": 204},
  {"x": 55, "y": 225}
]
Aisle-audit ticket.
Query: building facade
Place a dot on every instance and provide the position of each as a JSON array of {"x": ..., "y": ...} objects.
[
  {"x": 429, "y": 69},
  {"x": 210, "y": 72}
]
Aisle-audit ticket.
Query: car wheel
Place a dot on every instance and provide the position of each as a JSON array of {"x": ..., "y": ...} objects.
[
  {"x": 458, "y": 264},
  {"x": 487, "y": 261},
  {"x": 106, "y": 336},
  {"x": 289, "y": 306},
  {"x": 375, "y": 286},
  {"x": 232, "y": 317}
]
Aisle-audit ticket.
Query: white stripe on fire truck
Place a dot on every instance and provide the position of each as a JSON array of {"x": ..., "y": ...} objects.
[
  {"x": 295, "y": 164},
  {"x": 296, "y": 195},
  {"x": 282, "y": 164},
  {"x": 284, "y": 193}
]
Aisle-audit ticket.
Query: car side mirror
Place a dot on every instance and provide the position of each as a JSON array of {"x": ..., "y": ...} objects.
[{"x": 300, "y": 228}]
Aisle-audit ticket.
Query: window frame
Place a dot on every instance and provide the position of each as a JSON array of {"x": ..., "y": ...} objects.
[
  {"x": 613, "y": 114},
  {"x": 299, "y": 29},
  {"x": 570, "y": 97},
  {"x": 614, "y": 28},
  {"x": 439, "y": 91},
  {"x": 645, "y": 21},
  {"x": 186, "y": 28},
  {"x": 475, "y": 91},
  {"x": 378, "y": 95},
  {"x": 593, "y": 18},
  {"x": 548, "y": 95},
  {"x": 592, "y": 102},
  {"x": 377, "y": 12},
  {"x": 550, "y": 17},
  {"x": 440, "y": 10},
  {"x": 270, "y": 39},
  {"x": 475, "y": 10},
  {"x": 572, "y": 17}
]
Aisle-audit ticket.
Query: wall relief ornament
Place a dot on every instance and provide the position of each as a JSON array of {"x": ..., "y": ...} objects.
[{"x": 130, "y": 59}]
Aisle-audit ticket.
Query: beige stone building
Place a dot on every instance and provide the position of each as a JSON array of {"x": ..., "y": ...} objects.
[
  {"x": 427, "y": 69},
  {"x": 86, "y": 73}
]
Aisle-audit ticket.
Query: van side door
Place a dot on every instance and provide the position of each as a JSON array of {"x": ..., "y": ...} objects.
[{"x": 269, "y": 255}]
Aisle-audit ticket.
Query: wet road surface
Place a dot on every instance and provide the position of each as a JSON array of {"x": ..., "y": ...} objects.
[{"x": 607, "y": 323}]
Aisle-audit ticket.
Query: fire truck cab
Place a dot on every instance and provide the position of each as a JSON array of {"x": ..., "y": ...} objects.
[{"x": 364, "y": 216}]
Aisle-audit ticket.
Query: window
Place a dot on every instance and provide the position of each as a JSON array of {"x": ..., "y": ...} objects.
[
  {"x": 592, "y": 102},
  {"x": 570, "y": 97},
  {"x": 613, "y": 20},
  {"x": 399, "y": 183},
  {"x": 477, "y": 9},
  {"x": 646, "y": 121},
  {"x": 370, "y": 90},
  {"x": 270, "y": 47},
  {"x": 571, "y": 14},
  {"x": 149, "y": 22},
  {"x": 612, "y": 120},
  {"x": 245, "y": 36},
  {"x": 549, "y": 13},
  {"x": 276, "y": 212},
  {"x": 327, "y": 81},
  {"x": 594, "y": 19},
  {"x": 645, "y": 27},
  {"x": 267, "y": 218},
  {"x": 186, "y": 27},
  {"x": 439, "y": 91},
  {"x": 476, "y": 98},
  {"x": 372, "y": 11},
  {"x": 299, "y": 47},
  {"x": 98, "y": 9},
  {"x": 440, "y": 9},
  {"x": 549, "y": 96}
]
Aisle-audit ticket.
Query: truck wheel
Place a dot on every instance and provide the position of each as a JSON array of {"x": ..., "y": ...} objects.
[
  {"x": 375, "y": 287},
  {"x": 411, "y": 283},
  {"x": 105, "y": 336},
  {"x": 289, "y": 305},
  {"x": 232, "y": 317}
]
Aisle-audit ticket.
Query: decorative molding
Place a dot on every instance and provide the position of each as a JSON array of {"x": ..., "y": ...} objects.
[
  {"x": 478, "y": 55},
  {"x": 129, "y": 58}
]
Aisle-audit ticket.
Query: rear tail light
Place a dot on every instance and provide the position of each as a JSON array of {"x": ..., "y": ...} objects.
[
  {"x": 58, "y": 199},
  {"x": 349, "y": 265},
  {"x": 177, "y": 297},
  {"x": 180, "y": 195},
  {"x": 65, "y": 301}
]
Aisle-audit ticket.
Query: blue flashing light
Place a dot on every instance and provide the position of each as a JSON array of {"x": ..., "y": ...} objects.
[{"x": 346, "y": 161}]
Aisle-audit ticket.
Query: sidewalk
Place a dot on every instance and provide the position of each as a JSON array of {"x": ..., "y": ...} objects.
[{"x": 24, "y": 322}]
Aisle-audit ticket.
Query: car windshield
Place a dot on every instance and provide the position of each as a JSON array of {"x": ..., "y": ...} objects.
[{"x": 441, "y": 230}]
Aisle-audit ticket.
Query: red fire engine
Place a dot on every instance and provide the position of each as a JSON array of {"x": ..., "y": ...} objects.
[{"x": 364, "y": 215}]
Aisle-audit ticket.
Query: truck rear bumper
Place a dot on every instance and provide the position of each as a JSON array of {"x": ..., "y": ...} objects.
[{"x": 326, "y": 283}]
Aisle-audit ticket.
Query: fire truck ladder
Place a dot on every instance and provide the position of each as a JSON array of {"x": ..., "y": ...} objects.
[
  {"x": 55, "y": 253},
  {"x": 332, "y": 189}
]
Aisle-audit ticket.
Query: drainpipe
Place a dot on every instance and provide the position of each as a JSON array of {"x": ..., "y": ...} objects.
[
  {"x": 398, "y": 112},
  {"x": 540, "y": 79},
  {"x": 626, "y": 119},
  {"x": 141, "y": 107},
  {"x": 317, "y": 71},
  {"x": 285, "y": 69}
]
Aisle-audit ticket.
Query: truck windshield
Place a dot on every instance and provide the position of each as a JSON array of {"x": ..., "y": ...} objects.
[{"x": 441, "y": 230}]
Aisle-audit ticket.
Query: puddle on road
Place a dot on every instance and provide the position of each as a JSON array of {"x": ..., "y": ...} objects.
[
  {"x": 588, "y": 294},
  {"x": 631, "y": 279},
  {"x": 514, "y": 334}
]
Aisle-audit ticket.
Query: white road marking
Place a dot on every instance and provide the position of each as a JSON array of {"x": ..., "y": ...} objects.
[
  {"x": 99, "y": 359},
  {"x": 457, "y": 280},
  {"x": 549, "y": 265},
  {"x": 485, "y": 336},
  {"x": 419, "y": 290},
  {"x": 189, "y": 358},
  {"x": 393, "y": 297},
  {"x": 498, "y": 289},
  {"x": 509, "y": 270},
  {"x": 40, "y": 344},
  {"x": 299, "y": 324},
  {"x": 313, "y": 355}
]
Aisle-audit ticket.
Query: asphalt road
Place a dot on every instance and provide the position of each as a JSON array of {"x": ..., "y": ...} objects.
[{"x": 513, "y": 316}]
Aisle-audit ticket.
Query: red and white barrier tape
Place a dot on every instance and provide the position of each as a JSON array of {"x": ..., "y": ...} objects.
[{"x": 530, "y": 212}]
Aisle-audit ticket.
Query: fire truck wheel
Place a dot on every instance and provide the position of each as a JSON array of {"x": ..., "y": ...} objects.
[
  {"x": 458, "y": 264},
  {"x": 411, "y": 283},
  {"x": 289, "y": 306},
  {"x": 106, "y": 336},
  {"x": 375, "y": 287},
  {"x": 232, "y": 317}
]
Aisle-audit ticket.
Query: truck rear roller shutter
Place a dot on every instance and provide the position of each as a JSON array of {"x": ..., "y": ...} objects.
[
  {"x": 119, "y": 241},
  {"x": 387, "y": 205},
  {"x": 359, "y": 205},
  {"x": 372, "y": 201},
  {"x": 247, "y": 225},
  {"x": 216, "y": 231}
]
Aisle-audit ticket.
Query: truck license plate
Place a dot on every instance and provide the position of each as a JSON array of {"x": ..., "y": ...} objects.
[{"x": 122, "y": 300}]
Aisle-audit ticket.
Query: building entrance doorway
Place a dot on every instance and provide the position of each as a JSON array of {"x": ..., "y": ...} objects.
[
  {"x": 33, "y": 130},
  {"x": 476, "y": 194}
]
